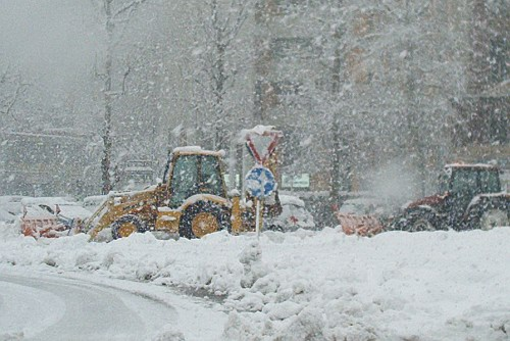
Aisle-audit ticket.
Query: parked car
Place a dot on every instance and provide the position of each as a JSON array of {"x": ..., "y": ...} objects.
[
  {"x": 93, "y": 202},
  {"x": 11, "y": 204},
  {"x": 10, "y": 208},
  {"x": 362, "y": 206},
  {"x": 6, "y": 216},
  {"x": 294, "y": 216}
]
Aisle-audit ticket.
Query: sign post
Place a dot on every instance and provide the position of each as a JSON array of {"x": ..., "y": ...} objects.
[{"x": 260, "y": 182}]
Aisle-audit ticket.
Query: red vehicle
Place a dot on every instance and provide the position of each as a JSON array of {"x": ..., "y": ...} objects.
[{"x": 470, "y": 197}]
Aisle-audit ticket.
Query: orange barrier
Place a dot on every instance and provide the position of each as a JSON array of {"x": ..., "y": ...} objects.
[
  {"x": 42, "y": 228},
  {"x": 359, "y": 225}
]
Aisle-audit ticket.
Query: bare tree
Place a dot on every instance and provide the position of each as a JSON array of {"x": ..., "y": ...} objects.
[
  {"x": 12, "y": 90},
  {"x": 216, "y": 29},
  {"x": 114, "y": 15}
]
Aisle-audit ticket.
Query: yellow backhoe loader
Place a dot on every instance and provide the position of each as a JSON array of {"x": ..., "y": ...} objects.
[{"x": 190, "y": 202}]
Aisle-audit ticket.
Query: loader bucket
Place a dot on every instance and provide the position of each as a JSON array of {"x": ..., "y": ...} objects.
[{"x": 361, "y": 225}]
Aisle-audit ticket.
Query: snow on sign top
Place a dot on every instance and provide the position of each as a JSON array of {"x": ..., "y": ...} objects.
[
  {"x": 261, "y": 141},
  {"x": 259, "y": 130}
]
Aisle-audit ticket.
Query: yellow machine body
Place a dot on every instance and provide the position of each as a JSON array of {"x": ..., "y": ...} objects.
[{"x": 190, "y": 206}]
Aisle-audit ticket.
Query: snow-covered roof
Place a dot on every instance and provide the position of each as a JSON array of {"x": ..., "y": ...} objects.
[
  {"x": 471, "y": 165},
  {"x": 49, "y": 201},
  {"x": 197, "y": 150},
  {"x": 291, "y": 200},
  {"x": 35, "y": 212},
  {"x": 138, "y": 169},
  {"x": 6, "y": 216},
  {"x": 74, "y": 211},
  {"x": 46, "y": 135},
  {"x": 68, "y": 207},
  {"x": 10, "y": 198},
  {"x": 95, "y": 199}
]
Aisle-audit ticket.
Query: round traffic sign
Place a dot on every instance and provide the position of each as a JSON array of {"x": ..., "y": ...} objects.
[{"x": 260, "y": 182}]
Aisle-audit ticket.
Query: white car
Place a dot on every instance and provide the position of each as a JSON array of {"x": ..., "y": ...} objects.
[
  {"x": 10, "y": 208},
  {"x": 92, "y": 203},
  {"x": 7, "y": 217},
  {"x": 362, "y": 206},
  {"x": 294, "y": 216}
]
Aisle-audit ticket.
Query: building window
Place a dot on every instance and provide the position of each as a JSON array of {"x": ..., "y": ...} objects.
[
  {"x": 498, "y": 126},
  {"x": 284, "y": 7},
  {"x": 499, "y": 60},
  {"x": 292, "y": 48}
]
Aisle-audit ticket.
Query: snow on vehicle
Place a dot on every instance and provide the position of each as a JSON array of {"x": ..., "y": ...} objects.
[
  {"x": 51, "y": 216},
  {"x": 38, "y": 223},
  {"x": 93, "y": 202},
  {"x": 470, "y": 197},
  {"x": 191, "y": 202},
  {"x": 68, "y": 212},
  {"x": 10, "y": 208},
  {"x": 6, "y": 216},
  {"x": 293, "y": 216}
]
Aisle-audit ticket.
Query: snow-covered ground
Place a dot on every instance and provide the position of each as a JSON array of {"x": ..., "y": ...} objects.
[
  {"x": 57, "y": 308},
  {"x": 308, "y": 285}
]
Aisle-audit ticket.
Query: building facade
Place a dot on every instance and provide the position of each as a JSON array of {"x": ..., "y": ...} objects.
[{"x": 371, "y": 85}]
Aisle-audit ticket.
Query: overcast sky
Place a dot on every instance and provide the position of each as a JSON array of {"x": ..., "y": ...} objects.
[{"x": 54, "y": 41}]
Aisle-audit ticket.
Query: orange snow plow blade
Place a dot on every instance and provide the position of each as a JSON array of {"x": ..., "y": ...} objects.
[
  {"x": 42, "y": 228},
  {"x": 365, "y": 225}
]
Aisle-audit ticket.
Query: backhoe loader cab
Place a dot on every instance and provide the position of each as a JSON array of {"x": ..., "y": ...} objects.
[
  {"x": 189, "y": 173},
  {"x": 190, "y": 202}
]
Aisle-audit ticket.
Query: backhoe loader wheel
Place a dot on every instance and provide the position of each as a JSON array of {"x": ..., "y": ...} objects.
[
  {"x": 127, "y": 225},
  {"x": 202, "y": 218}
]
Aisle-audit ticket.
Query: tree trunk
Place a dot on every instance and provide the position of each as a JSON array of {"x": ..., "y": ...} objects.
[
  {"x": 337, "y": 140},
  {"x": 107, "y": 138}
]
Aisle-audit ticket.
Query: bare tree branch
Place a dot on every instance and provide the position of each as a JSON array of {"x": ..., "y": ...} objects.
[{"x": 128, "y": 8}]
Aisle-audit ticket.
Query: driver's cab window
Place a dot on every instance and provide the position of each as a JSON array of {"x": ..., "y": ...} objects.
[
  {"x": 184, "y": 179},
  {"x": 489, "y": 182},
  {"x": 443, "y": 183},
  {"x": 464, "y": 181},
  {"x": 211, "y": 176}
]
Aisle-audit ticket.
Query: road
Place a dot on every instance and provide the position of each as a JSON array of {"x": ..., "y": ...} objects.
[{"x": 56, "y": 308}]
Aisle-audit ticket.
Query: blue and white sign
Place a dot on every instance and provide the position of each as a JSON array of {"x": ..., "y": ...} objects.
[{"x": 260, "y": 182}]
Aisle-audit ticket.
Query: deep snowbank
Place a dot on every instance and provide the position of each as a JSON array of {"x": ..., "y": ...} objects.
[{"x": 312, "y": 285}]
